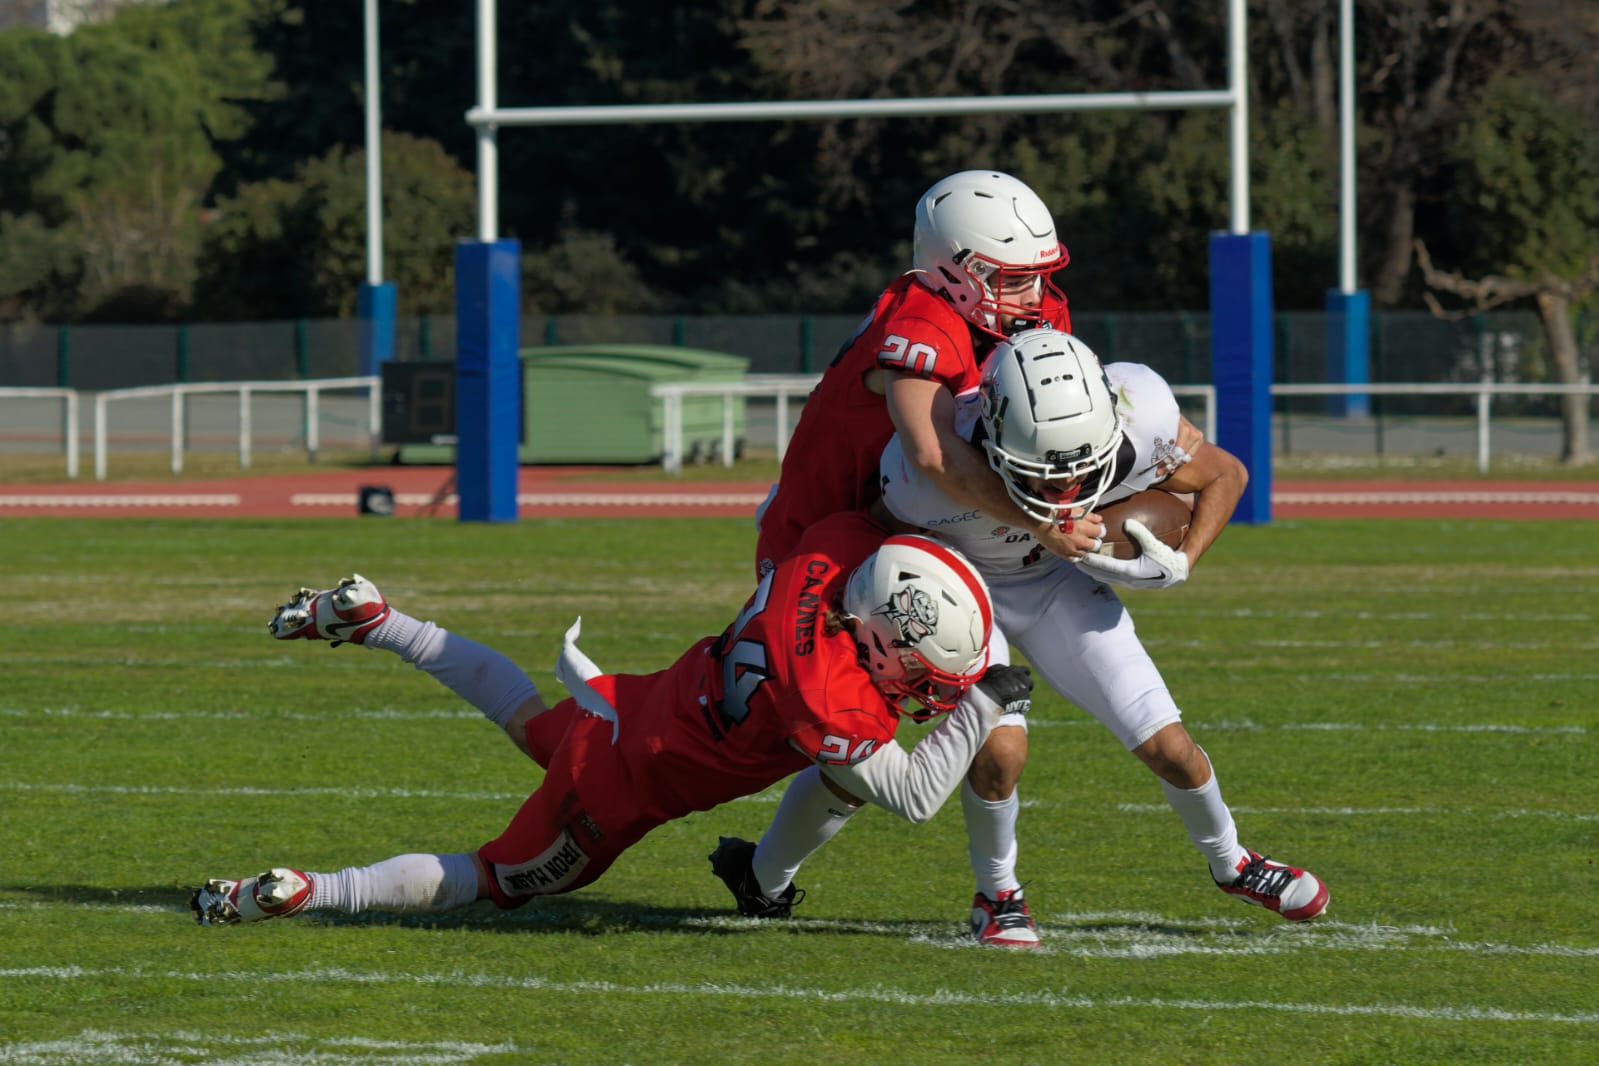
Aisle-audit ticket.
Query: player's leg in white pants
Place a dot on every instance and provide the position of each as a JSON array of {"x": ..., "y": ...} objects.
[
  {"x": 989, "y": 800},
  {"x": 810, "y": 814},
  {"x": 1081, "y": 641},
  {"x": 487, "y": 679}
]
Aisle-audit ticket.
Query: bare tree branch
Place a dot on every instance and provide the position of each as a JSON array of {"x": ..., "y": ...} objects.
[{"x": 1496, "y": 290}]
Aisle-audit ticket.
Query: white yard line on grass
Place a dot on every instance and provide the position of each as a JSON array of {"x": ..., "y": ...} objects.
[
  {"x": 1366, "y": 812},
  {"x": 769, "y": 796},
  {"x": 938, "y": 998},
  {"x": 1091, "y": 934},
  {"x": 1035, "y": 721},
  {"x": 99, "y": 1046}
]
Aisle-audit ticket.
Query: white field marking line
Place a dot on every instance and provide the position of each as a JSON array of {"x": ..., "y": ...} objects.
[
  {"x": 1090, "y": 934},
  {"x": 878, "y": 994},
  {"x": 1270, "y": 614},
  {"x": 287, "y": 716},
  {"x": 169, "y": 1049},
  {"x": 1120, "y": 934},
  {"x": 1362, "y": 812},
  {"x": 1456, "y": 496},
  {"x": 1033, "y": 722},
  {"x": 246, "y": 790},
  {"x": 125, "y": 499},
  {"x": 1253, "y": 677},
  {"x": 769, "y": 796},
  {"x": 552, "y": 499}
]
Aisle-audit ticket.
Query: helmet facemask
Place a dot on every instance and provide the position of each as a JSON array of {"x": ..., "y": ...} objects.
[
  {"x": 986, "y": 243},
  {"x": 1082, "y": 481},
  {"x": 1012, "y": 298},
  {"x": 1050, "y": 415}
]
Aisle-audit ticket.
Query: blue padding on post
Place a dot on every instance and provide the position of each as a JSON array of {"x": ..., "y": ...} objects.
[
  {"x": 375, "y": 307},
  {"x": 488, "y": 393},
  {"x": 1349, "y": 350},
  {"x": 1241, "y": 360}
]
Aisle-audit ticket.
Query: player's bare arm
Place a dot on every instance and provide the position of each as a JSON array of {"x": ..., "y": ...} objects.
[
  {"x": 924, "y": 415},
  {"x": 1216, "y": 478}
]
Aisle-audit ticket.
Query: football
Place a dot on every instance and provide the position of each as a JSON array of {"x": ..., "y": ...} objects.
[{"x": 1164, "y": 514}]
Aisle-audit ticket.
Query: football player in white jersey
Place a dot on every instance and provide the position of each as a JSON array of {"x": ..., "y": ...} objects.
[{"x": 1066, "y": 436}]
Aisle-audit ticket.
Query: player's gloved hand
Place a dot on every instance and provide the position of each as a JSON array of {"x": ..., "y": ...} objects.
[
  {"x": 1086, "y": 534},
  {"x": 1011, "y": 687},
  {"x": 1158, "y": 567}
]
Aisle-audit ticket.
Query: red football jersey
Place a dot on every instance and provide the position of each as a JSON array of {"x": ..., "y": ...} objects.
[
  {"x": 832, "y": 458},
  {"x": 717, "y": 724}
]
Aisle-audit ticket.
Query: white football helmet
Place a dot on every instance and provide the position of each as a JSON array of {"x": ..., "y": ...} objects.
[
  {"x": 1049, "y": 413},
  {"x": 922, "y": 620},
  {"x": 987, "y": 243}
]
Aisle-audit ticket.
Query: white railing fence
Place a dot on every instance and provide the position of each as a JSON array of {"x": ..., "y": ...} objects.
[
  {"x": 69, "y": 417},
  {"x": 1484, "y": 391},
  {"x": 780, "y": 387},
  {"x": 783, "y": 387},
  {"x": 311, "y": 391}
]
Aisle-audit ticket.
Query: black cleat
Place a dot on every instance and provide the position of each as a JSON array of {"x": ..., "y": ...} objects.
[{"x": 732, "y": 862}]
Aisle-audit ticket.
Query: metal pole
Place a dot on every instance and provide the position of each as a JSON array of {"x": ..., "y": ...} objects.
[
  {"x": 246, "y": 428},
  {"x": 374, "y": 151},
  {"x": 488, "y": 158},
  {"x": 177, "y": 431},
  {"x": 313, "y": 423},
  {"x": 1483, "y": 400},
  {"x": 73, "y": 444},
  {"x": 795, "y": 110},
  {"x": 1238, "y": 126},
  {"x": 1346, "y": 146},
  {"x": 100, "y": 447}
]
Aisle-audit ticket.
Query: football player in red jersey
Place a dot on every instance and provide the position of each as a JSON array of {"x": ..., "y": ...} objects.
[
  {"x": 984, "y": 250},
  {"x": 1064, "y": 432},
  {"x": 815, "y": 670}
]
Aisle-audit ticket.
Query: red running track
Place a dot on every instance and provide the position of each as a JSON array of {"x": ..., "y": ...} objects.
[{"x": 576, "y": 492}]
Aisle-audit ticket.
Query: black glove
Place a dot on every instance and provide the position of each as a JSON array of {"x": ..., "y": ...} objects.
[{"x": 1009, "y": 686}]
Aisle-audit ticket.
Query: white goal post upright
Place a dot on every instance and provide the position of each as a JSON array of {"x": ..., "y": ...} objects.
[{"x": 1240, "y": 260}]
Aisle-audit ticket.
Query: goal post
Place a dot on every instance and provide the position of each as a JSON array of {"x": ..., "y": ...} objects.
[{"x": 1240, "y": 264}]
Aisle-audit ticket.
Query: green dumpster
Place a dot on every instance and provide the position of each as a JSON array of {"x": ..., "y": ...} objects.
[{"x": 591, "y": 404}]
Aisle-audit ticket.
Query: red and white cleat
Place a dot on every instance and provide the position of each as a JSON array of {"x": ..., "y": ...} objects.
[
  {"x": 277, "y": 893},
  {"x": 1004, "y": 922},
  {"x": 1293, "y": 893},
  {"x": 347, "y": 613}
]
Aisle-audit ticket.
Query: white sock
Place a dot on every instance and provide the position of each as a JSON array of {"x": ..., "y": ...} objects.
[
  {"x": 477, "y": 673},
  {"x": 1210, "y": 825},
  {"x": 991, "y": 840},
  {"x": 414, "y": 883},
  {"x": 809, "y": 816}
]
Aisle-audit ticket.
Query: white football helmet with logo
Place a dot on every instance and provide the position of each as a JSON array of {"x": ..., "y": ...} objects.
[
  {"x": 981, "y": 239},
  {"x": 1050, "y": 414},
  {"x": 922, "y": 618}
]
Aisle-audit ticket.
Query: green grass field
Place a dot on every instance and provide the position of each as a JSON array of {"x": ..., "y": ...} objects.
[{"x": 1406, "y": 707}]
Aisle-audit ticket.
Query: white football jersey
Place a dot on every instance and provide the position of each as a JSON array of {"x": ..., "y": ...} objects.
[
  {"x": 1149, "y": 453},
  {"x": 1074, "y": 630}
]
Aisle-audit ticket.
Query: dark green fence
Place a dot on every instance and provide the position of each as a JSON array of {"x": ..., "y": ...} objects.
[{"x": 1406, "y": 346}]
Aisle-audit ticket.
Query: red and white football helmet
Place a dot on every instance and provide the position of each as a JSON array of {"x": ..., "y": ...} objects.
[
  {"x": 987, "y": 243},
  {"x": 1049, "y": 413},
  {"x": 922, "y": 618}
]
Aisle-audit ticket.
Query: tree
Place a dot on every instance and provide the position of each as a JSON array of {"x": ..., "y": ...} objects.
[
  {"x": 1528, "y": 173},
  {"x": 287, "y": 249},
  {"x": 1135, "y": 195},
  {"x": 109, "y": 135}
]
